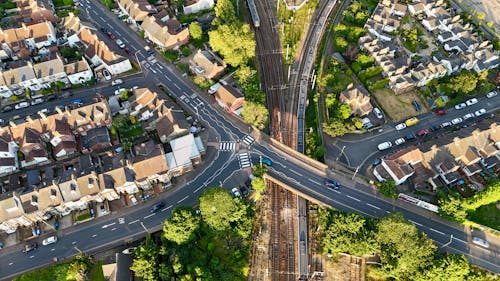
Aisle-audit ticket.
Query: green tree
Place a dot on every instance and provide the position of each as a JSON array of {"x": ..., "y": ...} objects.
[
  {"x": 224, "y": 13},
  {"x": 181, "y": 227},
  {"x": 496, "y": 44},
  {"x": 259, "y": 170},
  {"x": 248, "y": 80},
  {"x": 218, "y": 208},
  {"x": 340, "y": 44},
  {"x": 449, "y": 268},
  {"x": 388, "y": 188},
  {"x": 78, "y": 268},
  {"x": 234, "y": 42},
  {"x": 330, "y": 100},
  {"x": 145, "y": 263},
  {"x": 365, "y": 60},
  {"x": 452, "y": 208},
  {"x": 343, "y": 111},
  {"x": 195, "y": 31},
  {"x": 255, "y": 114},
  {"x": 335, "y": 128},
  {"x": 465, "y": 82},
  {"x": 259, "y": 185}
]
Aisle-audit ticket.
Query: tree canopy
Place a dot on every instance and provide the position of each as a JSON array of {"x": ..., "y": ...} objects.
[
  {"x": 195, "y": 30},
  {"x": 234, "y": 42},
  {"x": 181, "y": 227},
  {"x": 255, "y": 114}
]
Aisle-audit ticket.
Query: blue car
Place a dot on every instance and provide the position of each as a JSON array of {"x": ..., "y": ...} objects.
[
  {"x": 157, "y": 207},
  {"x": 77, "y": 101},
  {"x": 332, "y": 184},
  {"x": 267, "y": 162}
]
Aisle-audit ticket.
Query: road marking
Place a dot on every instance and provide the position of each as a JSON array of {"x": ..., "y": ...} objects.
[
  {"x": 373, "y": 206},
  {"x": 118, "y": 33},
  {"x": 73, "y": 243},
  {"x": 388, "y": 212},
  {"x": 159, "y": 65},
  {"x": 152, "y": 70},
  {"x": 353, "y": 198},
  {"x": 11, "y": 263},
  {"x": 177, "y": 86},
  {"x": 95, "y": 235},
  {"x": 102, "y": 18},
  {"x": 121, "y": 220},
  {"x": 126, "y": 40},
  {"x": 164, "y": 209},
  {"x": 114, "y": 228},
  {"x": 32, "y": 257},
  {"x": 168, "y": 78},
  {"x": 334, "y": 190},
  {"x": 437, "y": 231},
  {"x": 465, "y": 242},
  {"x": 133, "y": 222},
  {"x": 187, "y": 196},
  {"x": 108, "y": 225},
  {"x": 414, "y": 222},
  {"x": 311, "y": 180},
  {"x": 198, "y": 189},
  {"x": 52, "y": 250},
  {"x": 298, "y": 174},
  {"x": 150, "y": 215}
]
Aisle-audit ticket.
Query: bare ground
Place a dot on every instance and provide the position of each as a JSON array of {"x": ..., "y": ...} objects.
[{"x": 399, "y": 107}]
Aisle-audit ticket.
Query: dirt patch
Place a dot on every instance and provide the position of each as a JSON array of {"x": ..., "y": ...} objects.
[
  {"x": 344, "y": 267},
  {"x": 399, "y": 107}
]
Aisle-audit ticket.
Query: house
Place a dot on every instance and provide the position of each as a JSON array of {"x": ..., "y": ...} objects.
[
  {"x": 399, "y": 9},
  {"x": 120, "y": 269},
  {"x": 416, "y": 8},
  {"x": 71, "y": 194},
  {"x": 137, "y": 10},
  {"x": 84, "y": 118},
  {"x": 230, "y": 99},
  {"x": 27, "y": 136},
  {"x": 12, "y": 214},
  {"x": 35, "y": 36},
  {"x": 50, "y": 71},
  {"x": 20, "y": 76},
  {"x": 149, "y": 164},
  {"x": 399, "y": 164},
  {"x": 59, "y": 135},
  {"x": 39, "y": 201},
  {"x": 8, "y": 153},
  {"x": 164, "y": 31},
  {"x": 205, "y": 64},
  {"x": 195, "y": 6},
  {"x": 78, "y": 72},
  {"x": 5, "y": 92},
  {"x": 171, "y": 124},
  {"x": 186, "y": 153},
  {"x": 358, "y": 101},
  {"x": 486, "y": 59},
  {"x": 120, "y": 180},
  {"x": 95, "y": 139},
  {"x": 145, "y": 104},
  {"x": 422, "y": 74}
]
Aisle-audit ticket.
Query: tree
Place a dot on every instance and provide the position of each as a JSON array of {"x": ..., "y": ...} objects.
[
  {"x": 258, "y": 184},
  {"x": 145, "y": 263},
  {"x": 330, "y": 100},
  {"x": 181, "y": 227},
  {"x": 388, "y": 188},
  {"x": 259, "y": 170},
  {"x": 496, "y": 44},
  {"x": 234, "y": 42},
  {"x": 404, "y": 252},
  {"x": 78, "y": 268},
  {"x": 480, "y": 16},
  {"x": 365, "y": 60},
  {"x": 218, "y": 208},
  {"x": 340, "y": 44},
  {"x": 195, "y": 31},
  {"x": 335, "y": 128},
  {"x": 452, "y": 208},
  {"x": 450, "y": 268},
  {"x": 224, "y": 13},
  {"x": 255, "y": 114},
  {"x": 343, "y": 111},
  {"x": 465, "y": 82}
]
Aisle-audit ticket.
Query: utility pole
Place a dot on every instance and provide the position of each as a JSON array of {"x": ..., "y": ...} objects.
[
  {"x": 143, "y": 226},
  {"x": 340, "y": 154},
  {"x": 357, "y": 169}
]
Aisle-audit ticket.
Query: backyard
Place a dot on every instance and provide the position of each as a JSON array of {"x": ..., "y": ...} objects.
[
  {"x": 128, "y": 128},
  {"x": 398, "y": 107}
]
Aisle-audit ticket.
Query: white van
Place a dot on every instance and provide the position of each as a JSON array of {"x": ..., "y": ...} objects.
[{"x": 384, "y": 145}]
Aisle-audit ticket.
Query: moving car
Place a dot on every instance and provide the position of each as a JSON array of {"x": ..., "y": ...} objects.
[
  {"x": 20, "y": 105},
  {"x": 235, "y": 192},
  {"x": 332, "y": 184},
  {"x": 399, "y": 141},
  {"x": 480, "y": 112},
  {"x": 412, "y": 121},
  {"x": 492, "y": 94},
  {"x": 49, "y": 240},
  {"x": 468, "y": 116},
  {"x": 471, "y": 101},
  {"x": 441, "y": 112},
  {"x": 157, "y": 207},
  {"x": 106, "y": 74},
  {"x": 384, "y": 145},
  {"x": 480, "y": 242},
  {"x": 400, "y": 126},
  {"x": 457, "y": 120},
  {"x": 120, "y": 43},
  {"x": 116, "y": 82},
  {"x": 30, "y": 247},
  {"x": 423, "y": 132},
  {"x": 267, "y": 162},
  {"x": 460, "y": 106},
  {"x": 378, "y": 113}
]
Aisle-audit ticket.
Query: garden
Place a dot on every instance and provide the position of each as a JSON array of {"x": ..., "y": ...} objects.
[{"x": 127, "y": 128}]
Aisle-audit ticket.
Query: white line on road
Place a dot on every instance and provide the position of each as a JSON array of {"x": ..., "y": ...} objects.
[
  {"x": 159, "y": 65},
  {"x": 150, "y": 215},
  {"x": 102, "y": 18},
  {"x": 166, "y": 77},
  {"x": 133, "y": 222},
  {"x": 414, "y": 222},
  {"x": 353, "y": 198},
  {"x": 114, "y": 228},
  {"x": 95, "y": 235},
  {"x": 311, "y": 180},
  {"x": 11, "y": 263},
  {"x": 465, "y": 242},
  {"x": 164, "y": 209},
  {"x": 387, "y": 212},
  {"x": 299, "y": 174},
  {"x": 52, "y": 250},
  {"x": 152, "y": 70},
  {"x": 198, "y": 189},
  {"x": 118, "y": 33},
  {"x": 437, "y": 231},
  {"x": 32, "y": 257},
  {"x": 126, "y": 40},
  {"x": 73, "y": 243},
  {"x": 177, "y": 86},
  {"x": 187, "y": 196},
  {"x": 373, "y": 206}
]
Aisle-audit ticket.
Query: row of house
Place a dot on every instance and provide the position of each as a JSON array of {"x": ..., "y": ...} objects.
[
  {"x": 463, "y": 49},
  {"x": 446, "y": 162},
  {"x": 32, "y": 12}
]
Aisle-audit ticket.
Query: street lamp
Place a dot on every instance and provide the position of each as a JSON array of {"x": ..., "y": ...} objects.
[
  {"x": 137, "y": 58},
  {"x": 143, "y": 226},
  {"x": 340, "y": 154},
  {"x": 355, "y": 172},
  {"x": 451, "y": 239}
]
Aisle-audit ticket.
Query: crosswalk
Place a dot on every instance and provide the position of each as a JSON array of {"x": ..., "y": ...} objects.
[
  {"x": 227, "y": 146},
  {"x": 244, "y": 159},
  {"x": 248, "y": 140}
]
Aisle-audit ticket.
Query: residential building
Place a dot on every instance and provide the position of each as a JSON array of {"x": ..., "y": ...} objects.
[
  {"x": 230, "y": 99},
  {"x": 8, "y": 153},
  {"x": 149, "y": 165},
  {"x": 195, "y": 6},
  {"x": 186, "y": 153},
  {"x": 164, "y": 31},
  {"x": 5, "y": 92},
  {"x": 58, "y": 133},
  {"x": 49, "y": 71},
  {"x": 137, "y": 10},
  {"x": 21, "y": 76},
  {"x": 12, "y": 214},
  {"x": 206, "y": 64},
  {"x": 95, "y": 139},
  {"x": 35, "y": 36},
  {"x": 121, "y": 180},
  {"x": 78, "y": 72},
  {"x": 358, "y": 101},
  {"x": 84, "y": 118},
  {"x": 27, "y": 136}
]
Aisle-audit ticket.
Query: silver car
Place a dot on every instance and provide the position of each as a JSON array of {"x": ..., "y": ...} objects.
[{"x": 457, "y": 121}]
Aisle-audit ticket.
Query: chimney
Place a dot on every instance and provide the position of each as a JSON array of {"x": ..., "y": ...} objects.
[
  {"x": 129, "y": 164},
  {"x": 30, "y": 120},
  {"x": 12, "y": 124},
  {"x": 44, "y": 117},
  {"x": 59, "y": 110}
]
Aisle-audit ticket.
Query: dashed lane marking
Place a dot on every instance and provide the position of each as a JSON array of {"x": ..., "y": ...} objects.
[
  {"x": 114, "y": 228},
  {"x": 150, "y": 215},
  {"x": 297, "y": 173},
  {"x": 177, "y": 86},
  {"x": 414, "y": 222},
  {"x": 437, "y": 231},
  {"x": 186, "y": 197},
  {"x": 32, "y": 257},
  {"x": 95, "y": 235},
  {"x": 11, "y": 263},
  {"x": 353, "y": 198},
  {"x": 73, "y": 243},
  {"x": 133, "y": 222},
  {"x": 52, "y": 250},
  {"x": 311, "y": 180},
  {"x": 164, "y": 209},
  {"x": 373, "y": 206}
]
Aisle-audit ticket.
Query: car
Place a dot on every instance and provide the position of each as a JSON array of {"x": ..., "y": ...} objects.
[
  {"x": 120, "y": 91},
  {"x": 412, "y": 121},
  {"x": 37, "y": 101},
  {"x": 445, "y": 124},
  {"x": 129, "y": 251},
  {"x": 460, "y": 106},
  {"x": 50, "y": 98},
  {"x": 457, "y": 120},
  {"x": 116, "y": 82},
  {"x": 423, "y": 132},
  {"x": 331, "y": 183},
  {"x": 104, "y": 30},
  {"x": 384, "y": 145},
  {"x": 400, "y": 126},
  {"x": 49, "y": 240},
  {"x": 410, "y": 136},
  {"x": 480, "y": 242},
  {"x": 127, "y": 50},
  {"x": 120, "y": 43},
  {"x": 480, "y": 112},
  {"x": 77, "y": 101},
  {"x": 68, "y": 94},
  {"x": 20, "y": 105},
  {"x": 399, "y": 141},
  {"x": 44, "y": 111},
  {"x": 417, "y": 106},
  {"x": 157, "y": 207},
  {"x": 441, "y": 112},
  {"x": 106, "y": 74},
  {"x": 376, "y": 162},
  {"x": 492, "y": 94},
  {"x": 267, "y": 162},
  {"x": 378, "y": 113},
  {"x": 244, "y": 191},
  {"x": 435, "y": 128},
  {"x": 7, "y": 108},
  {"x": 235, "y": 192},
  {"x": 30, "y": 247},
  {"x": 471, "y": 101},
  {"x": 468, "y": 116},
  {"x": 110, "y": 35}
]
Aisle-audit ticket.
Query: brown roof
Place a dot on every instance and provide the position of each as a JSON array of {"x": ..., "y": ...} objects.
[
  {"x": 229, "y": 97},
  {"x": 210, "y": 69},
  {"x": 76, "y": 67},
  {"x": 357, "y": 100},
  {"x": 96, "y": 47},
  {"x": 152, "y": 163}
]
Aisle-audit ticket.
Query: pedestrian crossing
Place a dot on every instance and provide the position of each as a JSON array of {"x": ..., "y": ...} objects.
[
  {"x": 227, "y": 146},
  {"x": 248, "y": 140},
  {"x": 244, "y": 159}
]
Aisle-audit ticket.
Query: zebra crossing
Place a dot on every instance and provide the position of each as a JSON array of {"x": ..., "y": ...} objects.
[
  {"x": 248, "y": 140},
  {"x": 227, "y": 146},
  {"x": 244, "y": 159}
]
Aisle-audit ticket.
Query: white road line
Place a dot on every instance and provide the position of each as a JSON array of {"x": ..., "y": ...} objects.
[
  {"x": 164, "y": 209},
  {"x": 152, "y": 70},
  {"x": 388, "y": 212},
  {"x": 177, "y": 86},
  {"x": 437, "y": 231},
  {"x": 159, "y": 65},
  {"x": 414, "y": 222},
  {"x": 353, "y": 198},
  {"x": 94, "y": 235},
  {"x": 187, "y": 196},
  {"x": 11, "y": 263},
  {"x": 198, "y": 189},
  {"x": 460, "y": 240},
  {"x": 133, "y": 222},
  {"x": 299, "y": 174},
  {"x": 373, "y": 206},
  {"x": 52, "y": 250},
  {"x": 166, "y": 77},
  {"x": 118, "y": 33},
  {"x": 125, "y": 40},
  {"x": 102, "y": 18},
  {"x": 150, "y": 215},
  {"x": 114, "y": 228},
  {"x": 73, "y": 243},
  {"x": 110, "y": 26},
  {"x": 334, "y": 190},
  {"x": 32, "y": 257},
  {"x": 311, "y": 180}
]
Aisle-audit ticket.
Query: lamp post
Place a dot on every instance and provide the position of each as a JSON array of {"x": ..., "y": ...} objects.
[
  {"x": 137, "y": 58},
  {"x": 143, "y": 226},
  {"x": 340, "y": 154},
  {"x": 451, "y": 239}
]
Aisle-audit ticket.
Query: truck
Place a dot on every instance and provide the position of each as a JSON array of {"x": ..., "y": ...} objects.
[{"x": 411, "y": 122}]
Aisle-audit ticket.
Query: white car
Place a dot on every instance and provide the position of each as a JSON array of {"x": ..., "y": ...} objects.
[
  {"x": 378, "y": 113},
  {"x": 235, "y": 192},
  {"x": 471, "y": 101},
  {"x": 37, "y": 101},
  {"x": 445, "y": 124},
  {"x": 120, "y": 43},
  {"x": 20, "y": 105},
  {"x": 460, "y": 106},
  {"x": 492, "y": 94},
  {"x": 399, "y": 141},
  {"x": 400, "y": 126},
  {"x": 49, "y": 240},
  {"x": 384, "y": 145},
  {"x": 468, "y": 115},
  {"x": 480, "y": 242},
  {"x": 120, "y": 91},
  {"x": 116, "y": 82},
  {"x": 457, "y": 121},
  {"x": 106, "y": 74},
  {"x": 480, "y": 112},
  {"x": 45, "y": 110}
]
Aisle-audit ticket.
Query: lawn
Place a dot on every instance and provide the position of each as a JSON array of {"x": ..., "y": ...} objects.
[
  {"x": 133, "y": 132},
  {"x": 61, "y": 3},
  {"x": 51, "y": 273},
  {"x": 488, "y": 215},
  {"x": 398, "y": 107}
]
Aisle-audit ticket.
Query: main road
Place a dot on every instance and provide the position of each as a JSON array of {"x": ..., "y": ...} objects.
[{"x": 134, "y": 222}]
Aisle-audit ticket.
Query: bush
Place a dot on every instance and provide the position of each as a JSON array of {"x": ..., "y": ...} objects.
[
  {"x": 388, "y": 188},
  {"x": 170, "y": 55},
  {"x": 83, "y": 217}
]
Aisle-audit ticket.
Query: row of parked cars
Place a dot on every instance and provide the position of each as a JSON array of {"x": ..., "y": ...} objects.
[{"x": 33, "y": 246}]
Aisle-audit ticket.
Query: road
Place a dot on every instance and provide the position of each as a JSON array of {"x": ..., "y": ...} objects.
[{"x": 353, "y": 197}]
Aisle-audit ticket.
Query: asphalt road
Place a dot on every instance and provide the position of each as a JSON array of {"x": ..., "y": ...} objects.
[{"x": 111, "y": 230}]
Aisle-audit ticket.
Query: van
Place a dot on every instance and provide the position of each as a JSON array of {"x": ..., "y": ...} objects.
[
  {"x": 384, "y": 145},
  {"x": 412, "y": 121}
]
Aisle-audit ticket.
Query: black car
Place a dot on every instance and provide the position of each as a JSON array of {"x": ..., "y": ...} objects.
[
  {"x": 7, "y": 108},
  {"x": 244, "y": 191},
  {"x": 248, "y": 183},
  {"x": 410, "y": 136},
  {"x": 50, "y": 97},
  {"x": 30, "y": 247},
  {"x": 104, "y": 30},
  {"x": 435, "y": 128},
  {"x": 157, "y": 207},
  {"x": 332, "y": 184}
]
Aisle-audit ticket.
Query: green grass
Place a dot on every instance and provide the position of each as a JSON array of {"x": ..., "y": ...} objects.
[
  {"x": 96, "y": 273},
  {"x": 83, "y": 217},
  {"x": 60, "y": 3},
  {"x": 134, "y": 132},
  {"x": 170, "y": 55},
  {"x": 8, "y": 5},
  {"x": 54, "y": 272},
  {"x": 488, "y": 215}
]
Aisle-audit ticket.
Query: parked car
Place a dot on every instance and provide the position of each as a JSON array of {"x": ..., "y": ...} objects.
[
  {"x": 400, "y": 126},
  {"x": 480, "y": 112},
  {"x": 235, "y": 192},
  {"x": 30, "y": 247},
  {"x": 106, "y": 74},
  {"x": 110, "y": 35},
  {"x": 471, "y": 101},
  {"x": 120, "y": 43},
  {"x": 127, "y": 50},
  {"x": 20, "y": 105},
  {"x": 457, "y": 120},
  {"x": 116, "y": 82},
  {"x": 480, "y": 242},
  {"x": 460, "y": 106},
  {"x": 468, "y": 116},
  {"x": 7, "y": 108},
  {"x": 441, "y": 112},
  {"x": 423, "y": 132},
  {"x": 384, "y": 145},
  {"x": 44, "y": 110},
  {"x": 77, "y": 101},
  {"x": 132, "y": 199},
  {"x": 120, "y": 91},
  {"x": 37, "y": 101},
  {"x": 445, "y": 124},
  {"x": 157, "y": 207},
  {"x": 68, "y": 94},
  {"x": 417, "y": 106},
  {"x": 49, "y": 240},
  {"x": 412, "y": 121},
  {"x": 410, "y": 136},
  {"x": 244, "y": 190},
  {"x": 267, "y": 162},
  {"x": 492, "y": 94},
  {"x": 399, "y": 141},
  {"x": 331, "y": 183},
  {"x": 378, "y": 113}
]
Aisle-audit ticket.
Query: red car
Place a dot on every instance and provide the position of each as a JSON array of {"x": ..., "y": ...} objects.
[
  {"x": 423, "y": 132},
  {"x": 441, "y": 112}
]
